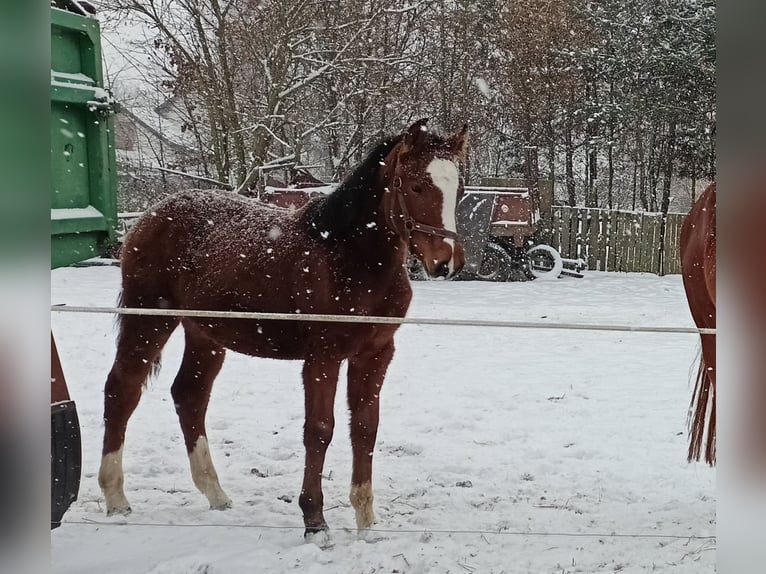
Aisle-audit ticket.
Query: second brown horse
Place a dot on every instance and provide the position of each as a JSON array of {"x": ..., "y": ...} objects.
[{"x": 698, "y": 267}]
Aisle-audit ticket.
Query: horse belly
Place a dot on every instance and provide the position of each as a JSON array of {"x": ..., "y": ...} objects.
[
  {"x": 268, "y": 339},
  {"x": 292, "y": 340}
]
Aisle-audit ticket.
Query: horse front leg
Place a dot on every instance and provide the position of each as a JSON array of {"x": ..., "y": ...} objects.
[
  {"x": 320, "y": 379},
  {"x": 365, "y": 379}
]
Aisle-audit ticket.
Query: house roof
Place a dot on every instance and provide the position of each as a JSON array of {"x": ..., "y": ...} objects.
[{"x": 166, "y": 135}]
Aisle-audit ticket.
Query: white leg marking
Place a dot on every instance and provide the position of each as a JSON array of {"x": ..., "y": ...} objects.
[
  {"x": 445, "y": 175},
  {"x": 205, "y": 477},
  {"x": 111, "y": 481},
  {"x": 361, "y": 500}
]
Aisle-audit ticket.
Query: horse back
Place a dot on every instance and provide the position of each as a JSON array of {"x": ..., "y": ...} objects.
[
  {"x": 191, "y": 235},
  {"x": 206, "y": 250}
]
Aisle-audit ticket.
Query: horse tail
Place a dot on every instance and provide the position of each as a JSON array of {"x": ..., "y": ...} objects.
[
  {"x": 701, "y": 419},
  {"x": 157, "y": 363},
  {"x": 118, "y": 316}
]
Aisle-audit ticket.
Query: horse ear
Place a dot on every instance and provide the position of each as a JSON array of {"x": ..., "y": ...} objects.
[
  {"x": 416, "y": 133},
  {"x": 459, "y": 142}
]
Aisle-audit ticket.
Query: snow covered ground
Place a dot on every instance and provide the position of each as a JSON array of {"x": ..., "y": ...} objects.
[{"x": 564, "y": 442}]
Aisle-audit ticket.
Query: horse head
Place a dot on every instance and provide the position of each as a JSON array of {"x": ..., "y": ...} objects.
[{"x": 423, "y": 183}]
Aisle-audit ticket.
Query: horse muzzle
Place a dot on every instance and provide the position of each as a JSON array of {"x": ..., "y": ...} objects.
[{"x": 444, "y": 266}]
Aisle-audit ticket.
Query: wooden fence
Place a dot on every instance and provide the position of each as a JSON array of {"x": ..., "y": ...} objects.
[{"x": 610, "y": 240}]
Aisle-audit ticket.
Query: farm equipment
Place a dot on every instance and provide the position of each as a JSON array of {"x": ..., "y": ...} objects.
[
  {"x": 83, "y": 201},
  {"x": 502, "y": 230}
]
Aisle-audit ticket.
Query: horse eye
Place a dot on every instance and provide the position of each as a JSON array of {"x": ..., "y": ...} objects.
[{"x": 417, "y": 189}]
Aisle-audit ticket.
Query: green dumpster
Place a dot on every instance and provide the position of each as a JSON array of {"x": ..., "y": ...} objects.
[{"x": 83, "y": 173}]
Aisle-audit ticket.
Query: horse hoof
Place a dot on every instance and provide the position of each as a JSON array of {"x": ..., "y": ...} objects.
[
  {"x": 369, "y": 537},
  {"x": 222, "y": 505},
  {"x": 319, "y": 535},
  {"x": 119, "y": 511},
  {"x": 316, "y": 529}
]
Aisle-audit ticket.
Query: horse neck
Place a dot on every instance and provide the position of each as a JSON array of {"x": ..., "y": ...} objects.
[{"x": 383, "y": 252}]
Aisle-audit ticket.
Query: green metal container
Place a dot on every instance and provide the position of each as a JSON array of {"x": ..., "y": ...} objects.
[{"x": 83, "y": 172}]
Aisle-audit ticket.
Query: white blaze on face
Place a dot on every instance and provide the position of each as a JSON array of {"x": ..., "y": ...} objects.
[{"x": 445, "y": 176}]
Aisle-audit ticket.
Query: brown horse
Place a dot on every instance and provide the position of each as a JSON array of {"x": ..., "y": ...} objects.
[
  {"x": 340, "y": 254},
  {"x": 698, "y": 269}
]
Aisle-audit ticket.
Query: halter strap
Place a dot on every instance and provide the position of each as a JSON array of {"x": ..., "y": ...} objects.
[{"x": 410, "y": 224}]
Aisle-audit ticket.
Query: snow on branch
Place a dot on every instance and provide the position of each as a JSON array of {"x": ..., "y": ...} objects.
[{"x": 300, "y": 83}]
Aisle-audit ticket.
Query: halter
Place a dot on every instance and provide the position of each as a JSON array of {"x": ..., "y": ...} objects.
[{"x": 410, "y": 224}]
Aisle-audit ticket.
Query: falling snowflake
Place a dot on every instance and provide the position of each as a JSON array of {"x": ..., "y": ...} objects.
[
  {"x": 483, "y": 87},
  {"x": 275, "y": 233}
]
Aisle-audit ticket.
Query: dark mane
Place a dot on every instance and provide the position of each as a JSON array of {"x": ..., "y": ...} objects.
[{"x": 337, "y": 215}]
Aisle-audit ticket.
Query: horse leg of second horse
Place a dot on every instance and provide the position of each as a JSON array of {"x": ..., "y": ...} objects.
[
  {"x": 139, "y": 345},
  {"x": 201, "y": 364},
  {"x": 320, "y": 379},
  {"x": 365, "y": 379}
]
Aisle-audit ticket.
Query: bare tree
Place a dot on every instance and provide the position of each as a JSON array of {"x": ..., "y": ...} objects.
[{"x": 618, "y": 109}]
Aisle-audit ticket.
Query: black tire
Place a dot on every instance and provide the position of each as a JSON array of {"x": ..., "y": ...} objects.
[
  {"x": 66, "y": 459},
  {"x": 496, "y": 263}
]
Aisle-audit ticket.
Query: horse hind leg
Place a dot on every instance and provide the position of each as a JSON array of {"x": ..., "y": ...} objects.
[
  {"x": 139, "y": 346},
  {"x": 201, "y": 364},
  {"x": 320, "y": 379}
]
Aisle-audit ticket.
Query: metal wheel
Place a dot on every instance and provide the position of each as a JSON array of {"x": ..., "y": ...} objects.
[
  {"x": 544, "y": 262},
  {"x": 496, "y": 263}
]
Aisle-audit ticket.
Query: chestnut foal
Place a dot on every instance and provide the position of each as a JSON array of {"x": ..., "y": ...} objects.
[{"x": 340, "y": 254}]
